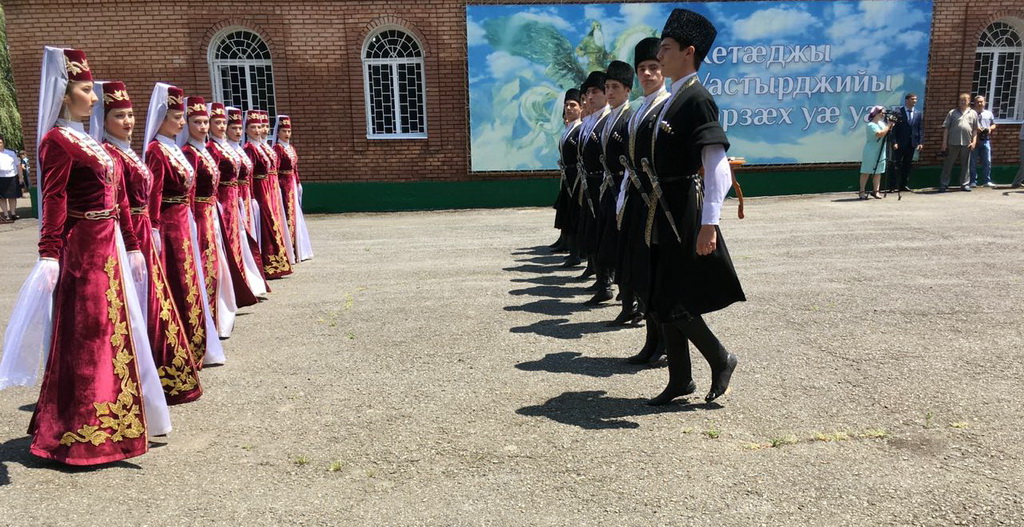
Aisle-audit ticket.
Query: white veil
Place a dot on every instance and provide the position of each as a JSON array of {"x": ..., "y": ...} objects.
[
  {"x": 98, "y": 117},
  {"x": 277, "y": 123},
  {"x": 155, "y": 115}
]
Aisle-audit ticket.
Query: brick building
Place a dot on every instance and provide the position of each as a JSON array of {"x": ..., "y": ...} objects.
[{"x": 315, "y": 50}]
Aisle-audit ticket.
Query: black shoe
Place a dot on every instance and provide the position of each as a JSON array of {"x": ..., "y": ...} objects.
[
  {"x": 720, "y": 379},
  {"x": 587, "y": 273},
  {"x": 671, "y": 392},
  {"x": 602, "y": 295},
  {"x": 571, "y": 261},
  {"x": 15, "y": 217},
  {"x": 626, "y": 316},
  {"x": 905, "y": 188},
  {"x": 965, "y": 188},
  {"x": 943, "y": 189}
]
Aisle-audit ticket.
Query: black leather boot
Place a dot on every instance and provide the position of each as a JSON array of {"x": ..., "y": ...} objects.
[
  {"x": 604, "y": 289},
  {"x": 680, "y": 378},
  {"x": 722, "y": 362},
  {"x": 630, "y": 313},
  {"x": 653, "y": 350},
  {"x": 589, "y": 271}
]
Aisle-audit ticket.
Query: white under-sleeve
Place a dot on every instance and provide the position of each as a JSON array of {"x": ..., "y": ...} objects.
[
  {"x": 620, "y": 201},
  {"x": 717, "y": 182}
]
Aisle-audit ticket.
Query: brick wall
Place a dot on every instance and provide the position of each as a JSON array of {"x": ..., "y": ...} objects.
[{"x": 317, "y": 45}]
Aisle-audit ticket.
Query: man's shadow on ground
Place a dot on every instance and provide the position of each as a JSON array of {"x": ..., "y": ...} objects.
[
  {"x": 550, "y": 291},
  {"x": 539, "y": 249},
  {"x": 561, "y": 328},
  {"x": 17, "y": 451},
  {"x": 575, "y": 362},
  {"x": 591, "y": 410}
]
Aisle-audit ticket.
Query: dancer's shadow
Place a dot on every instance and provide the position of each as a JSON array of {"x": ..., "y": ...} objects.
[
  {"x": 548, "y": 280},
  {"x": 560, "y": 328},
  {"x": 31, "y": 407},
  {"x": 17, "y": 451},
  {"x": 540, "y": 249},
  {"x": 550, "y": 291},
  {"x": 575, "y": 362},
  {"x": 552, "y": 307},
  {"x": 591, "y": 410},
  {"x": 533, "y": 268},
  {"x": 550, "y": 259}
]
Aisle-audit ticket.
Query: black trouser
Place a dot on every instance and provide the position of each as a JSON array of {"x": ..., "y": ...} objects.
[
  {"x": 902, "y": 159},
  {"x": 675, "y": 336}
]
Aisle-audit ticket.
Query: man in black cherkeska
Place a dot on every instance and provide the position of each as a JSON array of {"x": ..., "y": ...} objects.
[
  {"x": 591, "y": 170},
  {"x": 568, "y": 154},
  {"x": 637, "y": 212},
  {"x": 617, "y": 85},
  {"x": 692, "y": 273}
]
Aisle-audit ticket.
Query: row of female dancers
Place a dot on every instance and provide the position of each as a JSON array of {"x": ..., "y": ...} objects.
[{"x": 143, "y": 262}]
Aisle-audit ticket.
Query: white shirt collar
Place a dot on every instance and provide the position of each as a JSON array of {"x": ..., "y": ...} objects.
[
  {"x": 124, "y": 146},
  {"x": 74, "y": 125},
  {"x": 167, "y": 141},
  {"x": 648, "y": 99},
  {"x": 199, "y": 146},
  {"x": 679, "y": 83}
]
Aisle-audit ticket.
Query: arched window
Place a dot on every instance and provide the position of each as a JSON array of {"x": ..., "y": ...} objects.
[
  {"x": 394, "y": 86},
  {"x": 241, "y": 72},
  {"x": 999, "y": 68}
]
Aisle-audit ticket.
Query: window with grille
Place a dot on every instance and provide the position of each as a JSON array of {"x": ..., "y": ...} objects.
[
  {"x": 394, "y": 85},
  {"x": 998, "y": 71},
  {"x": 242, "y": 75}
]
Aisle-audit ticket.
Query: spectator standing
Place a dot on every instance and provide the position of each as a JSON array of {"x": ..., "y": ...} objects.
[
  {"x": 25, "y": 183},
  {"x": 907, "y": 139},
  {"x": 873, "y": 158},
  {"x": 961, "y": 131},
  {"x": 10, "y": 176},
  {"x": 981, "y": 156}
]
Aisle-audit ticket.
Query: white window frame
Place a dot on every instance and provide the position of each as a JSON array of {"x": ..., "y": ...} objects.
[
  {"x": 394, "y": 63},
  {"x": 215, "y": 65},
  {"x": 995, "y": 52}
]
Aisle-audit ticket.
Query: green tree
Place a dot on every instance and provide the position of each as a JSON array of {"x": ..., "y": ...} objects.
[{"x": 10, "y": 119}]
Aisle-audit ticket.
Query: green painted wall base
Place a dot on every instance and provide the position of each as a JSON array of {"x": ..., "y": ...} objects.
[{"x": 503, "y": 191}]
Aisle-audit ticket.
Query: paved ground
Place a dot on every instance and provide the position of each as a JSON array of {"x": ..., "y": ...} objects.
[{"x": 439, "y": 369}]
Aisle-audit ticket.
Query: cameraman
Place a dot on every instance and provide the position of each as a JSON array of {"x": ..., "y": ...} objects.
[
  {"x": 907, "y": 139},
  {"x": 981, "y": 157},
  {"x": 873, "y": 159}
]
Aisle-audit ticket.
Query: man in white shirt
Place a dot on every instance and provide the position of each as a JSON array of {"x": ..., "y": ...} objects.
[
  {"x": 981, "y": 156},
  {"x": 10, "y": 177}
]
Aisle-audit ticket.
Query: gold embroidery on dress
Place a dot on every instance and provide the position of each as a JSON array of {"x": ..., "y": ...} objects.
[
  {"x": 210, "y": 255},
  {"x": 177, "y": 377},
  {"x": 184, "y": 168},
  {"x": 197, "y": 108},
  {"x": 194, "y": 309},
  {"x": 120, "y": 419}
]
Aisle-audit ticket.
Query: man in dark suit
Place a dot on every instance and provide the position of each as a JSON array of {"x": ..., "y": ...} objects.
[{"x": 907, "y": 139}]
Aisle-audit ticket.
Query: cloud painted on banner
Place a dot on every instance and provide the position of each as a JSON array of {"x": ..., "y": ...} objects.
[
  {"x": 475, "y": 34},
  {"x": 504, "y": 65},
  {"x": 774, "y": 22},
  {"x": 543, "y": 17}
]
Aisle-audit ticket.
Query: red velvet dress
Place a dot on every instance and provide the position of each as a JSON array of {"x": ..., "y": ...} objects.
[
  {"x": 245, "y": 171},
  {"x": 167, "y": 336},
  {"x": 267, "y": 194},
  {"x": 204, "y": 206},
  {"x": 288, "y": 175},
  {"x": 90, "y": 408},
  {"x": 169, "y": 206},
  {"x": 228, "y": 162}
]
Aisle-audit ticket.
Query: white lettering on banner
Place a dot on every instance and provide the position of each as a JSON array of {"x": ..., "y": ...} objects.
[
  {"x": 797, "y": 86},
  {"x": 755, "y": 116},
  {"x": 769, "y": 55}
]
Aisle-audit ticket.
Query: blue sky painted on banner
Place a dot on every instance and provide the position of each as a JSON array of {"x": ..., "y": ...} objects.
[{"x": 523, "y": 57}]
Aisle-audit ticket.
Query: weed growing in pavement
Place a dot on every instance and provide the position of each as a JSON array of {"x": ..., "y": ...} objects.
[
  {"x": 829, "y": 438},
  {"x": 713, "y": 432},
  {"x": 875, "y": 433},
  {"x": 248, "y": 448},
  {"x": 350, "y": 335},
  {"x": 928, "y": 418},
  {"x": 788, "y": 439},
  {"x": 688, "y": 430},
  {"x": 335, "y": 466},
  {"x": 302, "y": 460},
  {"x": 960, "y": 425},
  {"x": 753, "y": 446}
]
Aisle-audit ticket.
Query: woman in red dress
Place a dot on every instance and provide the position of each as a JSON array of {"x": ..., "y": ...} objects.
[
  {"x": 248, "y": 208},
  {"x": 206, "y": 209},
  {"x": 90, "y": 408},
  {"x": 113, "y": 122},
  {"x": 228, "y": 163},
  {"x": 171, "y": 214},
  {"x": 291, "y": 189},
  {"x": 273, "y": 247},
  {"x": 275, "y": 179}
]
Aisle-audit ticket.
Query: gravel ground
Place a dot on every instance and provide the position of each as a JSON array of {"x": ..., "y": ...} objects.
[{"x": 438, "y": 368}]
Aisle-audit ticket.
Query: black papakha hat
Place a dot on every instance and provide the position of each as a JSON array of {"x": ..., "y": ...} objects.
[
  {"x": 620, "y": 71},
  {"x": 594, "y": 80},
  {"x": 572, "y": 94},
  {"x": 690, "y": 29},
  {"x": 646, "y": 49}
]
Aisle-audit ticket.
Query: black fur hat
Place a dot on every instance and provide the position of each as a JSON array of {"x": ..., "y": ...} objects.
[
  {"x": 620, "y": 71},
  {"x": 646, "y": 49},
  {"x": 594, "y": 80},
  {"x": 690, "y": 29},
  {"x": 572, "y": 94}
]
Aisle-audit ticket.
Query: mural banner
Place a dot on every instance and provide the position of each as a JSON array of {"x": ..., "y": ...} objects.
[{"x": 793, "y": 80}]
